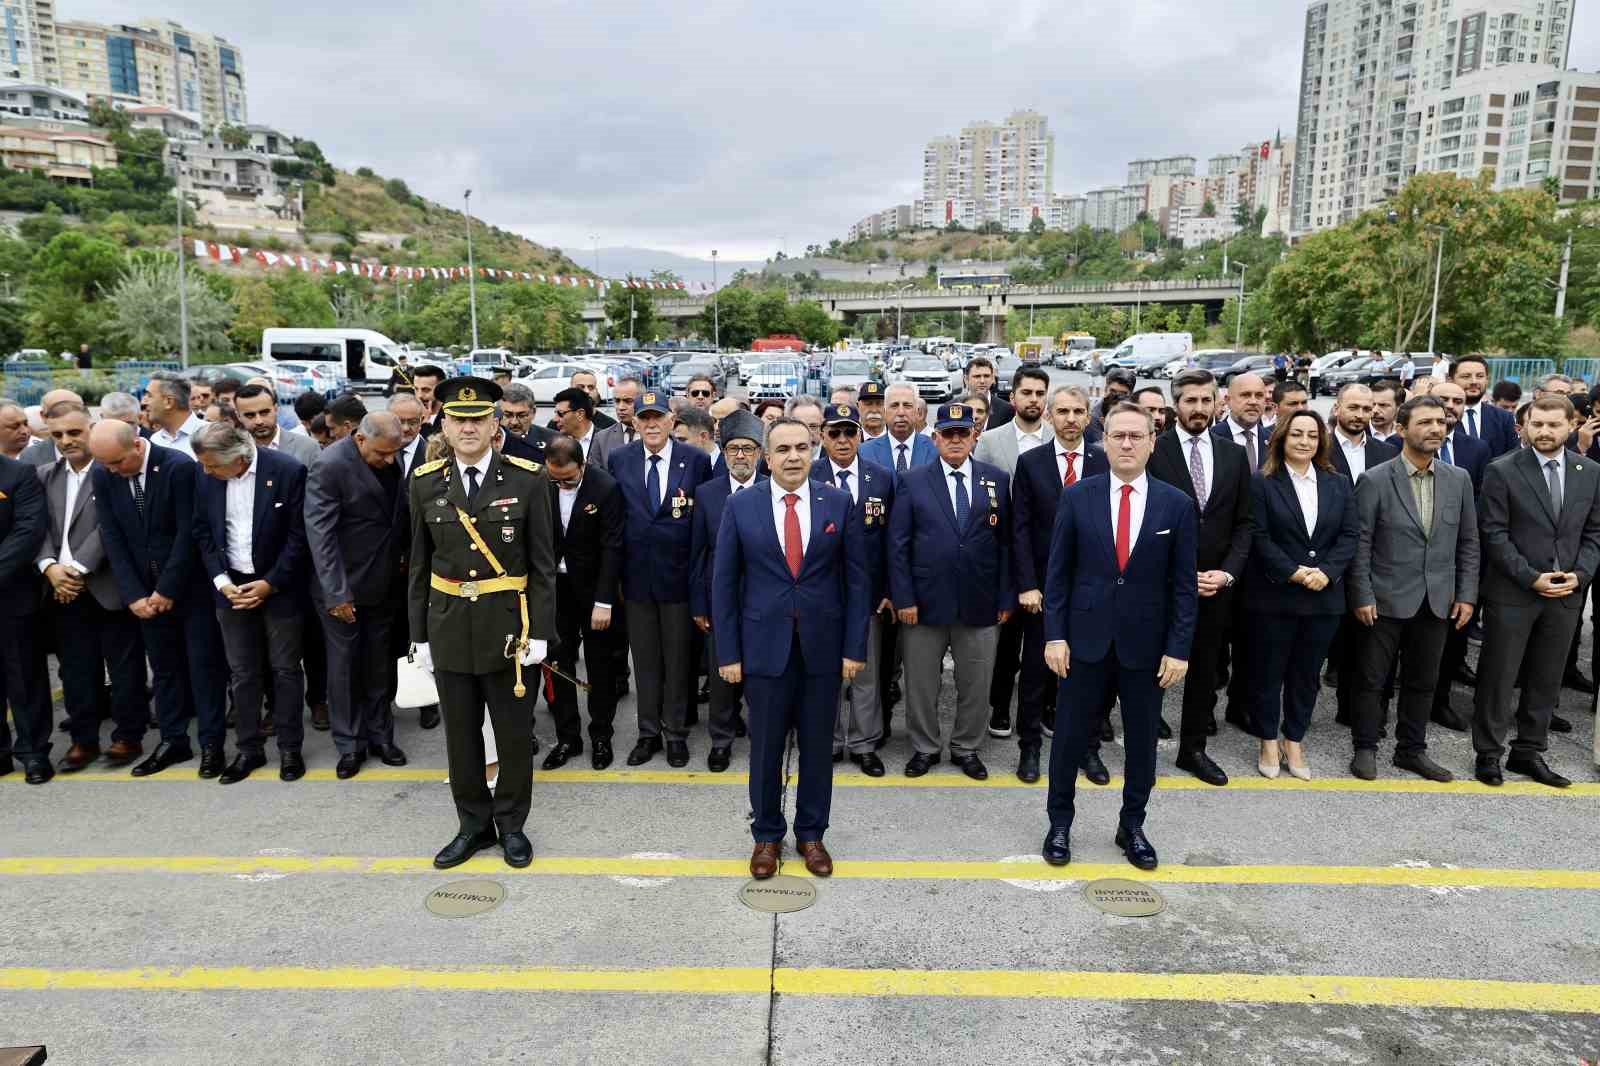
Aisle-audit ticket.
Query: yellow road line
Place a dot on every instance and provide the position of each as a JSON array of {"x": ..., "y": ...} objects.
[
  {"x": 845, "y": 870},
  {"x": 1171, "y": 782},
  {"x": 1292, "y": 989}
]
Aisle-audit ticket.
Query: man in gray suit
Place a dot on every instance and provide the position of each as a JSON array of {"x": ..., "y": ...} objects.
[
  {"x": 257, "y": 408},
  {"x": 1415, "y": 574},
  {"x": 1541, "y": 532},
  {"x": 357, "y": 528},
  {"x": 621, "y": 433},
  {"x": 95, "y": 633},
  {"x": 42, "y": 452}
]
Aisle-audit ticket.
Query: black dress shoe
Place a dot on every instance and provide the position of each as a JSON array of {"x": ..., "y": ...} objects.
[
  {"x": 6, "y": 765},
  {"x": 291, "y": 766},
  {"x": 1198, "y": 763},
  {"x": 390, "y": 754},
  {"x": 601, "y": 755},
  {"x": 211, "y": 762},
  {"x": 1028, "y": 766},
  {"x": 677, "y": 753},
  {"x": 1423, "y": 766},
  {"x": 718, "y": 760},
  {"x": 349, "y": 765},
  {"x": 644, "y": 751},
  {"x": 1447, "y": 716},
  {"x": 920, "y": 764},
  {"x": 166, "y": 754},
  {"x": 869, "y": 762},
  {"x": 429, "y": 717},
  {"x": 838, "y": 757},
  {"x": 561, "y": 754},
  {"x": 1488, "y": 771},
  {"x": 242, "y": 767},
  {"x": 1578, "y": 683},
  {"x": 38, "y": 771},
  {"x": 740, "y": 730},
  {"x": 1163, "y": 730},
  {"x": 519, "y": 850},
  {"x": 1094, "y": 768},
  {"x": 1559, "y": 724},
  {"x": 1057, "y": 849},
  {"x": 462, "y": 848},
  {"x": 1136, "y": 846},
  {"x": 971, "y": 765},
  {"x": 1535, "y": 767}
]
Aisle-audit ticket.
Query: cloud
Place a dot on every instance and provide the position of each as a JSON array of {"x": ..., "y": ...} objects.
[{"x": 740, "y": 125}]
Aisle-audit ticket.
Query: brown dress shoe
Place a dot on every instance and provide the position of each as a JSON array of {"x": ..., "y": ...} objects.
[
  {"x": 77, "y": 757},
  {"x": 122, "y": 751},
  {"x": 764, "y": 861},
  {"x": 818, "y": 861}
]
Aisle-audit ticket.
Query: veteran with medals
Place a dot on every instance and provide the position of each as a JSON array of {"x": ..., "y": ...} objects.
[{"x": 482, "y": 611}]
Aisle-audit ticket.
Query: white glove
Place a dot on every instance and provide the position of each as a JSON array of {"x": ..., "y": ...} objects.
[
  {"x": 422, "y": 656},
  {"x": 534, "y": 653}
]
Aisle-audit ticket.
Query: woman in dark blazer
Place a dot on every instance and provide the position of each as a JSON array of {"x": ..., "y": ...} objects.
[{"x": 1304, "y": 531}]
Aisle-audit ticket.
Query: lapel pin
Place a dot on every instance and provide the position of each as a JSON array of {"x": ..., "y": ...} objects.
[{"x": 269, "y": 484}]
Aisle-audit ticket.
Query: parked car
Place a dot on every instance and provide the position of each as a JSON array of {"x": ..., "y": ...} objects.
[
  {"x": 776, "y": 379},
  {"x": 748, "y": 361},
  {"x": 929, "y": 375},
  {"x": 1215, "y": 360},
  {"x": 1331, "y": 381},
  {"x": 547, "y": 381},
  {"x": 852, "y": 371},
  {"x": 701, "y": 365},
  {"x": 324, "y": 379},
  {"x": 1250, "y": 364},
  {"x": 1324, "y": 364},
  {"x": 1145, "y": 353}
]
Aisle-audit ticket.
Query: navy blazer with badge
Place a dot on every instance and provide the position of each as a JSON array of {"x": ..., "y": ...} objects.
[
  {"x": 709, "y": 499},
  {"x": 873, "y": 508},
  {"x": 1280, "y": 545},
  {"x": 657, "y": 564},
  {"x": 1470, "y": 454},
  {"x": 759, "y": 607},
  {"x": 156, "y": 553},
  {"x": 952, "y": 577},
  {"x": 1145, "y": 611},
  {"x": 1035, "y": 495},
  {"x": 278, "y": 539}
]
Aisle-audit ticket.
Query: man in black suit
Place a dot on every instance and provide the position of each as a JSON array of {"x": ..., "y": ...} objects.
[
  {"x": 1472, "y": 455},
  {"x": 424, "y": 380},
  {"x": 1247, "y": 402},
  {"x": 357, "y": 524},
  {"x": 524, "y": 437},
  {"x": 587, "y": 381},
  {"x": 146, "y": 498},
  {"x": 1215, "y": 474},
  {"x": 27, "y": 688},
  {"x": 249, "y": 527},
  {"x": 1540, "y": 517},
  {"x": 1387, "y": 396},
  {"x": 589, "y": 520},
  {"x": 980, "y": 380},
  {"x": 1042, "y": 474}
]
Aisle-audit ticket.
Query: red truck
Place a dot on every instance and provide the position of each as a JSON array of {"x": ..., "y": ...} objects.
[{"x": 778, "y": 342}]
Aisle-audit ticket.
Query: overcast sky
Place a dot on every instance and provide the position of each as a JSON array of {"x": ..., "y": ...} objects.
[{"x": 744, "y": 127}]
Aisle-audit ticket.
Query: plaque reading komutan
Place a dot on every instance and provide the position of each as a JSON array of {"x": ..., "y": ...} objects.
[
  {"x": 778, "y": 895},
  {"x": 1124, "y": 898},
  {"x": 465, "y": 899}
]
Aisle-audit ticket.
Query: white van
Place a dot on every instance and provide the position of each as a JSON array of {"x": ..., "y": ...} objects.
[
  {"x": 366, "y": 356},
  {"x": 1146, "y": 352}
]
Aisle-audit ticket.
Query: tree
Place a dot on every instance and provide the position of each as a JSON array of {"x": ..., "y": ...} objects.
[
  {"x": 352, "y": 308},
  {"x": 253, "y": 311},
  {"x": 1195, "y": 322},
  {"x": 144, "y": 311},
  {"x": 1036, "y": 226},
  {"x": 397, "y": 191},
  {"x": 621, "y": 303},
  {"x": 812, "y": 324},
  {"x": 1242, "y": 215},
  {"x": 78, "y": 264},
  {"x": 233, "y": 138},
  {"x": 1208, "y": 209}
]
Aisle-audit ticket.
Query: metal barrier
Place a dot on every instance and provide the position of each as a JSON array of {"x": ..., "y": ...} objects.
[
  {"x": 1525, "y": 372},
  {"x": 1586, "y": 369},
  {"x": 26, "y": 382},
  {"x": 133, "y": 375}
]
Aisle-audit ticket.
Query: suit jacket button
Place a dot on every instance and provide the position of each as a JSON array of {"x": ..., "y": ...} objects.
[
  {"x": 1119, "y": 580},
  {"x": 1313, "y": 555}
]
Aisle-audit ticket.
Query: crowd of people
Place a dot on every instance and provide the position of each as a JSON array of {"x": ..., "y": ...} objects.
[{"x": 201, "y": 560}]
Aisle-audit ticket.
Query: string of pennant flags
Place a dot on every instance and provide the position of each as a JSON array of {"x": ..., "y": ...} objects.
[{"x": 236, "y": 255}]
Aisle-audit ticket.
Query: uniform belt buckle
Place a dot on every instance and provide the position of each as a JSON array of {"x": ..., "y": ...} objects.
[{"x": 469, "y": 589}]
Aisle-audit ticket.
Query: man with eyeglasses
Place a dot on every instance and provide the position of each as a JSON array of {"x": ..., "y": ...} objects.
[
  {"x": 575, "y": 417},
  {"x": 524, "y": 438},
  {"x": 621, "y": 432},
  {"x": 589, "y": 382},
  {"x": 871, "y": 487}
]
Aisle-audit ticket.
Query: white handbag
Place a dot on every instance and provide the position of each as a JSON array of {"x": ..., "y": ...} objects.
[{"x": 415, "y": 687}]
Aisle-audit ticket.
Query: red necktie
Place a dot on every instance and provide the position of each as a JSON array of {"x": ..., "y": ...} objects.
[
  {"x": 1072, "y": 475},
  {"x": 793, "y": 550},
  {"x": 1124, "y": 526}
]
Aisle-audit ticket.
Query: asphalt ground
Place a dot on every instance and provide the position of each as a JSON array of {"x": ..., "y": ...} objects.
[{"x": 172, "y": 920}]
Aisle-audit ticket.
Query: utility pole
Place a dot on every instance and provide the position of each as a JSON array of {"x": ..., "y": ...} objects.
[
  {"x": 1561, "y": 289},
  {"x": 183, "y": 296},
  {"x": 716, "y": 312},
  {"x": 1433, "y": 323},
  {"x": 595, "y": 241},
  {"x": 472, "y": 274},
  {"x": 1238, "y": 333}
]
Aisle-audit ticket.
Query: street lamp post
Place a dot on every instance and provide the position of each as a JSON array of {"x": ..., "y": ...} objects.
[
  {"x": 1238, "y": 335},
  {"x": 900, "y": 312},
  {"x": 183, "y": 296},
  {"x": 716, "y": 312},
  {"x": 472, "y": 282},
  {"x": 1438, "y": 268},
  {"x": 594, "y": 241}
]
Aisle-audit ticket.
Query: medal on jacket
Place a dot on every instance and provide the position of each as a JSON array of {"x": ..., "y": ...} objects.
[
  {"x": 994, "y": 504},
  {"x": 680, "y": 503}
]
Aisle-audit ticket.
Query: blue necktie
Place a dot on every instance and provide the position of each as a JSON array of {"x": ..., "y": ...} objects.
[
  {"x": 652, "y": 483},
  {"x": 844, "y": 480},
  {"x": 1472, "y": 422},
  {"x": 1444, "y": 453},
  {"x": 963, "y": 505}
]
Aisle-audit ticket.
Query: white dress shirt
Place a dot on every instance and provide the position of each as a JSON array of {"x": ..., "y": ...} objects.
[
  {"x": 1473, "y": 415},
  {"x": 481, "y": 466},
  {"x": 566, "y": 498},
  {"x": 1238, "y": 434},
  {"x": 780, "y": 511},
  {"x": 408, "y": 457},
  {"x": 1208, "y": 463},
  {"x": 1079, "y": 456},
  {"x": 1136, "y": 502},
  {"x": 179, "y": 441},
  {"x": 1026, "y": 442},
  {"x": 587, "y": 441},
  {"x": 1355, "y": 454},
  {"x": 950, "y": 482},
  {"x": 854, "y": 481},
  {"x": 661, "y": 471},
  {"x": 1305, "y": 490},
  {"x": 239, "y": 512},
  {"x": 75, "y": 480},
  {"x": 735, "y": 485}
]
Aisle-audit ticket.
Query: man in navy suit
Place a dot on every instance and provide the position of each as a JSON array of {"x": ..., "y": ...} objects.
[
  {"x": 1120, "y": 601},
  {"x": 1042, "y": 474},
  {"x": 871, "y": 487},
  {"x": 950, "y": 580},
  {"x": 741, "y": 434},
  {"x": 23, "y": 519},
  {"x": 249, "y": 527},
  {"x": 1460, "y": 448},
  {"x": 791, "y": 603},
  {"x": 146, "y": 497},
  {"x": 902, "y": 448},
  {"x": 658, "y": 480},
  {"x": 1480, "y": 418}
]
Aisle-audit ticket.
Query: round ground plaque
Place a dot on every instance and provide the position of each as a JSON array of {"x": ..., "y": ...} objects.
[
  {"x": 778, "y": 895},
  {"x": 1124, "y": 898},
  {"x": 465, "y": 899}
]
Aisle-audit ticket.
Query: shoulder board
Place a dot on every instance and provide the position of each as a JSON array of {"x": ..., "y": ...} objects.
[
  {"x": 517, "y": 460},
  {"x": 428, "y": 468}
]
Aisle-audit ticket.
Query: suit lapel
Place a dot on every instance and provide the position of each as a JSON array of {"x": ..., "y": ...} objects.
[
  {"x": 1172, "y": 447},
  {"x": 937, "y": 476},
  {"x": 818, "y": 517},
  {"x": 1398, "y": 475},
  {"x": 1530, "y": 465},
  {"x": 672, "y": 477},
  {"x": 1100, "y": 509},
  {"x": 1324, "y": 505}
]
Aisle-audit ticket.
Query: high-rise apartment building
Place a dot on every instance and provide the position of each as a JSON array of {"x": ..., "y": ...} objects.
[
  {"x": 1366, "y": 66},
  {"x": 28, "y": 48},
  {"x": 154, "y": 63},
  {"x": 1176, "y": 166},
  {"x": 995, "y": 166}
]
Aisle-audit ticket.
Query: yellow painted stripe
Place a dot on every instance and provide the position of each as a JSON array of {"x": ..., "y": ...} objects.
[
  {"x": 1308, "y": 990},
  {"x": 845, "y": 870},
  {"x": 853, "y": 780}
]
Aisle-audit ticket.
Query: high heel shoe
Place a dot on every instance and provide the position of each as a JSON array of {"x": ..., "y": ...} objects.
[
  {"x": 1268, "y": 766},
  {"x": 1301, "y": 772}
]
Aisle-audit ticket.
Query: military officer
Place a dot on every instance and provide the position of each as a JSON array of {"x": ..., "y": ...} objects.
[{"x": 482, "y": 606}]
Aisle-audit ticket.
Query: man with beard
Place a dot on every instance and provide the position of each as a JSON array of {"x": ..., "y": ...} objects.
[
  {"x": 257, "y": 409},
  {"x": 1483, "y": 420}
]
